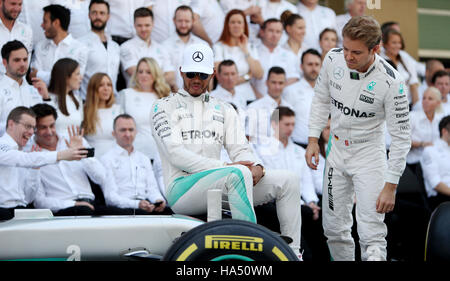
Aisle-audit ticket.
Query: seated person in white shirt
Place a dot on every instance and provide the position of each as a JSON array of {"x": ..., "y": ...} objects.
[
  {"x": 258, "y": 112},
  {"x": 227, "y": 78},
  {"x": 175, "y": 44},
  {"x": 13, "y": 29},
  {"x": 281, "y": 153},
  {"x": 441, "y": 80},
  {"x": 436, "y": 166},
  {"x": 299, "y": 95},
  {"x": 272, "y": 54},
  {"x": 431, "y": 67},
  {"x": 132, "y": 186},
  {"x": 104, "y": 53},
  {"x": 19, "y": 182},
  {"x": 58, "y": 44},
  {"x": 64, "y": 186},
  {"x": 14, "y": 88},
  {"x": 142, "y": 45}
]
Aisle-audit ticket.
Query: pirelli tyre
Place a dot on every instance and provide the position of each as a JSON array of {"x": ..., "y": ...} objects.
[
  {"x": 437, "y": 247},
  {"x": 230, "y": 240}
]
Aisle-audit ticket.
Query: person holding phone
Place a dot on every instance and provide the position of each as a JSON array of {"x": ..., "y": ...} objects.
[
  {"x": 65, "y": 188},
  {"x": 132, "y": 185},
  {"x": 191, "y": 128}
]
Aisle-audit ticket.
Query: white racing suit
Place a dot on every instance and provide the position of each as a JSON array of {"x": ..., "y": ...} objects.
[
  {"x": 356, "y": 157},
  {"x": 190, "y": 133}
]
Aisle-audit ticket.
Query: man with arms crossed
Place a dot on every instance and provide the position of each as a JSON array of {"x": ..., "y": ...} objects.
[
  {"x": 190, "y": 129},
  {"x": 364, "y": 92}
]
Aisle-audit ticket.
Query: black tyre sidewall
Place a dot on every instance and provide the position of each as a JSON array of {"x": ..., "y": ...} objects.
[{"x": 230, "y": 238}]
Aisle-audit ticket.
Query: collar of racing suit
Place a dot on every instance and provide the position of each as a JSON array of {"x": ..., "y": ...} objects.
[
  {"x": 356, "y": 75},
  {"x": 203, "y": 97}
]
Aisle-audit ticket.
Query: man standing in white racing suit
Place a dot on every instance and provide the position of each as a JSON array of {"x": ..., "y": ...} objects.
[
  {"x": 190, "y": 128},
  {"x": 362, "y": 91}
]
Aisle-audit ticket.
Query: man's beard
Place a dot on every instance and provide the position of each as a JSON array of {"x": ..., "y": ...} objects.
[
  {"x": 98, "y": 28},
  {"x": 7, "y": 14},
  {"x": 183, "y": 34}
]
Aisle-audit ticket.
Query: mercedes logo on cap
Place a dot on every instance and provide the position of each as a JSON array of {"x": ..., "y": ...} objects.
[{"x": 197, "y": 56}]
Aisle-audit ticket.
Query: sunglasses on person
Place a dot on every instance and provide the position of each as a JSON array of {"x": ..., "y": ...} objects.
[{"x": 192, "y": 75}]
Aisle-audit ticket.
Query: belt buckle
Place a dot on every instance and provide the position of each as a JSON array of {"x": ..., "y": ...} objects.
[{"x": 346, "y": 143}]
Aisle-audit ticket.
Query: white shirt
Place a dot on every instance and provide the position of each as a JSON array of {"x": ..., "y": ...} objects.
[
  {"x": 32, "y": 14},
  {"x": 407, "y": 70},
  {"x": 163, "y": 12},
  {"x": 21, "y": 32},
  {"x": 234, "y": 53},
  {"x": 341, "y": 21},
  {"x": 64, "y": 182},
  {"x": 130, "y": 178},
  {"x": 175, "y": 47},
  {"x": 278, "y": 57},
  {"x": 446, "y": 106},
  {"x": 211, "y": 15},
  {"x": 298, "y": 56},
  {"x": 13, "y": 95},
  {"x": 19, "y": 183},
  {"x": 228, "y": 5},
  {"x": 121, "y": 21},
  {"x": 79, "y": 16},
  {"x": 436, "y": 166},
  {"x": 135, "y": 49},
  {"x": 300, "y": 96},
  {"x": 100, "y": 59},
  {"x": 47, "y": 53},
  {"x": 237, "y": 99},
  {"x": 103, "y": 139},
  {"x": 258, "y": 116},
  {"x": 75, "y": 116},
  {"x": 316, "y": 21},
  {"x": 139, "y": 105},
  {"x": 422, "y": 130},
  {"x": 292, "y": 158}
]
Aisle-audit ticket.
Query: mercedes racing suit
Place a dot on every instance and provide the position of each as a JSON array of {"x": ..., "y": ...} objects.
[
  {"x": 359, "y": 103},
  {"x": 190, "y": 132}
]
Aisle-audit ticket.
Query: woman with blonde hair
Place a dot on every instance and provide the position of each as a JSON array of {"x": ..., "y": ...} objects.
[
  {"x": 424, "y": 125},
  {"x": 99, "y": 112},
  {"x": 147, "y": 84}
]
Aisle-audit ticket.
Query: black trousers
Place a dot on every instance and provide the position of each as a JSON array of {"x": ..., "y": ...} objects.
[{"x": 8, "y": 213}]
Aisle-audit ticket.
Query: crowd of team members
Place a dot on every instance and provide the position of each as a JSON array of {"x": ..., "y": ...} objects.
[{"x": 78, "y": 74}]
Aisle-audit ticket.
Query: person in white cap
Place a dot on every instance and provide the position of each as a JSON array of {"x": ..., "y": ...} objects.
[{"x": 190, "y": 128}]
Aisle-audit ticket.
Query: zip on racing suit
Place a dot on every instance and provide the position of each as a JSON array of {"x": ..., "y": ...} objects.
[
  {"x": 360, "y": 103},
  {"x": 190, "y": 132}
]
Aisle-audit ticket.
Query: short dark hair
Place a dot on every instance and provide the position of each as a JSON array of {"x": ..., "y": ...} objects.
[
  {"x": 183, "y": 8},
  {"x": 444, "y": 124},
  {"x": 271, "y": 20},
  {"x": 327, "y": 30},
  {"x": 388, "y": 25},
  {"x": 439, "y": 74},
  {"x": 16, "y": 114},
  {"x": 276, "y": 70},
  {"x": 225, "y": 63},
  {"x": 10, "y": 47},
  {"x": 61, "y": 13},
  {"x": 99, "y": 2},
  {"x": 142, "y": 13},
  {"x": 280, "y": 112},
  {"x": 124, "y": 116},
  {"x": 310, "y": 52},
  {"x": 43, "y": 110}
]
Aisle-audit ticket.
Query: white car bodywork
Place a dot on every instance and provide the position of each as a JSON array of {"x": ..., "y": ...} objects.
[{"x": 36, "y": 234}]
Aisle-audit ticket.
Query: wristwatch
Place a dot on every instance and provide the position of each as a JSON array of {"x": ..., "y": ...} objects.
[
  {"x": 263, "y": 170},
  {"x": 247, "y": 77}
]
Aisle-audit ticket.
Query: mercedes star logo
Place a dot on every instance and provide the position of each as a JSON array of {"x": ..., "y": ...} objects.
[{"x": 197, "y": 56}]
